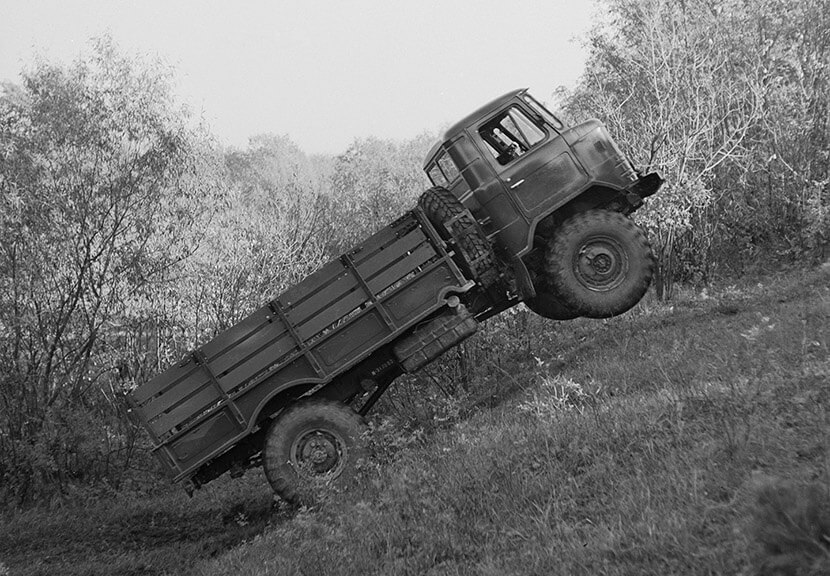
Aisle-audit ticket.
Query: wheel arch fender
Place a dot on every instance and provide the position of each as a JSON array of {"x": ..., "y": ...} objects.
[
  {"x": 595, "y": 196},
  {"x": 279, "y": 399}
]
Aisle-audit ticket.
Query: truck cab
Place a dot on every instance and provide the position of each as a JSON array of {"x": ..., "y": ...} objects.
[{"x": 520, "y": 171}]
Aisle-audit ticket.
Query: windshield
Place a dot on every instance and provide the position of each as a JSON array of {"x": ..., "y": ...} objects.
[{"x": 544, "y": 112}]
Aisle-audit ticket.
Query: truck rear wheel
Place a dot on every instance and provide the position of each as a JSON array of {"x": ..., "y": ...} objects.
[
  {"x": 599, "y": 263},
  {"x": 441, "y": 208},
  {"x": 312, "y": 445}
]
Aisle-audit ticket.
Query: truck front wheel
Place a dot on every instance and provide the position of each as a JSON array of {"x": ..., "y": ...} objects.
[
  {"x": 599, "y": 263},
  {"x": 312, "y": 445},
  {"x": 546, "y": 303}
]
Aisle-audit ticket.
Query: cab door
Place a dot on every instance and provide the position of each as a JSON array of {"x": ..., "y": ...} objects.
[{"x": 535, "y": 165}]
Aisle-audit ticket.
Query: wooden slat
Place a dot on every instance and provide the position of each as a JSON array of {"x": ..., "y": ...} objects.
[
  {"x": 233, "y": 335},
  {"x": 172, "y": 379},
  {"x": 386, "y": 257},
  {"x": 176, "y": 375},
  {"x": 269, "y": 335},
  {"x": 401, "y": 268},
  {"x": 311, "y": 284},
  {"x": 331, "y": 314},
  {"x": 197, "y": 378},
  {"x": 311, "y": 306},
  {"x": 193, "y": 405},
  {"x": 377, "y": 241},
  {"x": 255, "y": 363},
  {"x": 174, "y": 396},
  {"x": 382, "y": 238}
]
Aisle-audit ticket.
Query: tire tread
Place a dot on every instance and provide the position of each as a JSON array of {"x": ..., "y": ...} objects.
[{"x": 559, "y": 268}]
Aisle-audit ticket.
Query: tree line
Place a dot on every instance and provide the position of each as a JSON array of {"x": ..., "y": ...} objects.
[
  {"x": 128, "y": 235},
  {"x": 729, "y": 100}
]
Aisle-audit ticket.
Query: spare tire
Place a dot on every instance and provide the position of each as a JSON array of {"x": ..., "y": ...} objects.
[
  {"x": 599, "y": 263},
  {"x": 456, "y": 224}
]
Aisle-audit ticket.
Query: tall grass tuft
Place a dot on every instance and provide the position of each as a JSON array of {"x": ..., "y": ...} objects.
[{"x": 791, "y": 526}]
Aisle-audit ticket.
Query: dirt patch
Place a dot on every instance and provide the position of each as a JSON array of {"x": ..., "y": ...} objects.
[{"x": 133, "y": 535}]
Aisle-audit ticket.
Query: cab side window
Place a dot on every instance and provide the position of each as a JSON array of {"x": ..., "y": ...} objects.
[
  {"x": 448, "y": 167},
  {"x": 437, "y": 176},
  {"x": 510, "y": 135},
  {"x": 443, "y": 171}
]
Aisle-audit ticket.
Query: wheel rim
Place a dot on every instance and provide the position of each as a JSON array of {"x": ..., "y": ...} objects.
[
  {"x": 319, "y": 454},
  {"x": 601, "y": 264}
]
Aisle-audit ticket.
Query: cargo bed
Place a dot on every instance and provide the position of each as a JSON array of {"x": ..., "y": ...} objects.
[{"x": 303, "y": 339}]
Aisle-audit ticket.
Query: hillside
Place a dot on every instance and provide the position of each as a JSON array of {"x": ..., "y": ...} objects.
[{"x": 686, "y": 438}]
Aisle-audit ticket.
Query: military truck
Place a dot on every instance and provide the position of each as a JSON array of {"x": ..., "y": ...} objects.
[{"x": 522, "y": 209}]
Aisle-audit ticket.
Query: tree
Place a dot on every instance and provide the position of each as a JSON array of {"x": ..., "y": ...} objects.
[
  {"x": 100, "y": 185},
  {"x": 696, "y": 89},
  {"x": 373, "y": 183},
  {"x": 269, "y": 229}
]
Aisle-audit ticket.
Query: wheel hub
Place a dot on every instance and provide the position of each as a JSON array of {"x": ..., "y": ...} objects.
[
  {"x": 601, "y": 265},
  {"x": 318, "y": 453}
]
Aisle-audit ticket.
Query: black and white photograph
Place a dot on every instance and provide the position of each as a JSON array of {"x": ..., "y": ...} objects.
[{"x": 439, "y": 288}]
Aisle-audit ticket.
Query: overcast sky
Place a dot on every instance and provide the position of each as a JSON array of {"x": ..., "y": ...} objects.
[{"x": 322, "y": 71}]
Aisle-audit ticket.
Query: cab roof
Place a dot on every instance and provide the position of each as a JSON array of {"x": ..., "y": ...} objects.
[{"x": 472, "y": 118}]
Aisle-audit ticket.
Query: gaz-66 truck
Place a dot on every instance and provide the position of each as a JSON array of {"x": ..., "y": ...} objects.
[{"x": 522, "y": 209}]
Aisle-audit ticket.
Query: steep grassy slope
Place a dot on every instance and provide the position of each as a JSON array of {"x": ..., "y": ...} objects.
[
  {"x": 687, "y": 440},
  {"x": 684, "y": 439}
]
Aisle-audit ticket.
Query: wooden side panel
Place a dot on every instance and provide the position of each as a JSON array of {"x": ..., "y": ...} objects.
[
  {"x": 298, "y": 370},
  {"x": 308, "y": 335},
  {"x": 198, "y": 402},
  {"x": 370, "y": 266},
  {"x": 409, "y": 302},
  {"x": 185, "y": 375},
  {"x": 401, "y": 268},
  {"x": 202, "y": 438},
  {"x": 257, "y": 361},
  {"x": 311, "y": 283},
  {"x": 331, "y": 314},
  {"x": 165, "y": 402},
  {"x": 383, "y": 239},
  {"x": 361, "y": 335},
  {"x": 271, "y": 336},
  {"x": 344, "y": 285},
  {"x": 187, "y": 389},
  {"x": 236, "y": 333}
]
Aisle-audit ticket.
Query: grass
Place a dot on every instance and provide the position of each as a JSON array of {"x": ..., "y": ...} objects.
[
  {"x": 681, "y": 439},
  {"x": 132, "y": 533}
]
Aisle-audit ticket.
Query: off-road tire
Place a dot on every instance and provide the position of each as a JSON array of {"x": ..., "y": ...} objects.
[
  {"x": 546, "y": 303},
  {"x": 477, "y": 256},
  {"x": 313, "y": 444},
  {"x": 599, "y": 263}
]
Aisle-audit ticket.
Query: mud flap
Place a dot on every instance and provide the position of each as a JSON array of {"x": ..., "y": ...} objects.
[
  {"x": 523, "y": 281},
  {"x": 428, "y": 342}
]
